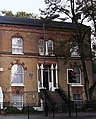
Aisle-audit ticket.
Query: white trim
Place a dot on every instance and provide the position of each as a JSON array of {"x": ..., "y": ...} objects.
[
  {"x": 45, "y": 44},
  {"x": 1, "y": 98},
  {"x": 56, "y": 77},
  {"x": 16, "y": 47},
  {"x": 17, "y": 84},
  {"x": 17, "y": 101},
  {"x": 75, "y": 84},
  {"x": 17, "y": 53},
  {"x": 52, "y": 77},
  {"x": 78, "y": 85},
  {"x": 1, "y": 69},
  {"x": 42, "y": 68},
  {"x": 51, "y": 82}
]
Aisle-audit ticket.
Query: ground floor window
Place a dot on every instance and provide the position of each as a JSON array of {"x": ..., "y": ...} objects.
[
  {"x": 17, "y": 101},
  {"x": 74, "y": 76},
  {"x": 77, "y": 94},
  {"x": 77, "y": 98}
]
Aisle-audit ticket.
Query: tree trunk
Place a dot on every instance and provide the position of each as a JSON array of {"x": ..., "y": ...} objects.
[
  {"x": 86, "y": 81},
  {"x": 80, "y": 39},
  {"x": 91, "y": 90}
]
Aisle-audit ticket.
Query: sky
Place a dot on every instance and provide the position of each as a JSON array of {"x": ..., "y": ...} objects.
[{"x": 29, "y": 6}]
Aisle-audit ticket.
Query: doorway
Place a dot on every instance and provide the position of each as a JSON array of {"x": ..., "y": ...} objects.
[{"x": 47, "y": 77}]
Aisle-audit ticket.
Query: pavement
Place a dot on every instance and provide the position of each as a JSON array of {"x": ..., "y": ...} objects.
[{"x": 57, "y": 116}]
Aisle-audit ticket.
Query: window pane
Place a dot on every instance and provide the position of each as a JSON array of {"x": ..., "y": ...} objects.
[
  {"x": 17, "y": 45},
  {"x": 50, "y": 46},
  {"x": 77, "y": 71},
  {"x": 17, "y": 74},
  {"x": 77, "y": 97},
  {"x": 50, "y": 43},
  {"x": 41, "y": 47},
  {"x": 77, "y": 79},
  {"x": 74, "y": 49},
  {"x": 17, "y": 101}
]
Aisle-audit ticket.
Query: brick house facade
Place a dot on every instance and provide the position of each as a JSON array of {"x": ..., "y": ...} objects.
[{"x": 23, "y": 60}]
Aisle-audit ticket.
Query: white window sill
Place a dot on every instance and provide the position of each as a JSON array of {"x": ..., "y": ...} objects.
[
  {"x": 17, "y": 53},
  {"x": 75, "y": 55},
  {"x": 47, "y": 54},
  {"x": 17, "y": 84},
  {"x": 78, "y": 84}
]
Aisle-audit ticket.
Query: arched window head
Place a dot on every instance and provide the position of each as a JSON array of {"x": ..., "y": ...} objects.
[
  {"x": 17, "y": 45},
  {"x": 17, "y": 75}
]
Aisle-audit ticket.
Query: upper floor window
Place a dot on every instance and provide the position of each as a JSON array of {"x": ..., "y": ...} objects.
[
  {"x": 49, "y": 47},
  {"x": 41, "y": 47},
  {"x": 17, "y": 75},
  {"x": 17, "y": 45},
  {"x": 46, "y": 47},
  {"x": 74, "y": 49}
]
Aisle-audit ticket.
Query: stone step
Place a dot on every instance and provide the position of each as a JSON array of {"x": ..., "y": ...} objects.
[{"x": 56, "y": 97}]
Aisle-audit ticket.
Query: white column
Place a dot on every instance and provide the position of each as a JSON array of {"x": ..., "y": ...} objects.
[
  {"x": 41, "y": 67},
  {"x": 52, "y": 77},
  {"x": 56, "y": 77}
]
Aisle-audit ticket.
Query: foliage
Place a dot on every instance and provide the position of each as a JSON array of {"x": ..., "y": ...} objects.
[
  {"x": 24, "y": 110},
  {"x": 66, "y": 7},
  {"x": 72, "y": 9},
  {"x": 31, "y": 109},
  {"x": 12, "y": 110},
  {"x": 19, "y": 14},
  {"x": 88, "y": 9}
]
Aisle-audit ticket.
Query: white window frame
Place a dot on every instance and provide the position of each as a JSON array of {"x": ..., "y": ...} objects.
[
  {"x": 77, "y": 75},
  {"x": 46, "y": 47},
  {"x": 78, "y": 101},
  {"x": 41, "y": 47},
  {"x": 74, "y": 49},
  {"x": 17, "y": 101},
  {"x": 16, "y": 75},
  {"x": 17, "y": 45}
]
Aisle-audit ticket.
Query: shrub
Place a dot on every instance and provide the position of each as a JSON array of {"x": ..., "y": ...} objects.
[{"x": 12, "y": 110}]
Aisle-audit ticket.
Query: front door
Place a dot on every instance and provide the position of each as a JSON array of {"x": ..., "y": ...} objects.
[{"x": 46, "y": 80}]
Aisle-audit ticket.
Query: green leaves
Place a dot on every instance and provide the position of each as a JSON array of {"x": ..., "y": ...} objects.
[{"x": 18, "y": 14}]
